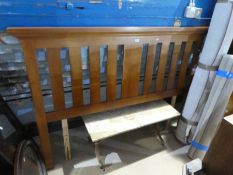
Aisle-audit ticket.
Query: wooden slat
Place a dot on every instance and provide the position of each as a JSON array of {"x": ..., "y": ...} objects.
[
  {"x": 173, "y": 101},
  {"x": 196, "y": 52},
  {"x": 55, "y": 72},
  {"x": 173, "y": 69},
  {"x": 162, "y": 66},
  {"x": 195, "y": 59},
  {"x": 94, "y": 64},
  {"x": 93, "y": 108},
  {"x": 131, "y": 70},
  {"x": 56, "y": 80},
  {"x": 184, "y": 66},
  {"x": 150, "y": 60},
  {"x": 76, "y": 76},
  {"x": 111, "y": 73},
  {"x": 33, "y": 76}
]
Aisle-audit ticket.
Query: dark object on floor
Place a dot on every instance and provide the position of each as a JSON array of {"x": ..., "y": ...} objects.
[
  {"x": 11, "y": 133},
  {"x": 28, "y": 159},
  {"x": 219, "y": 157},
  {"x": 11, "y": 128},
  {"x": 22, "y": 157}
]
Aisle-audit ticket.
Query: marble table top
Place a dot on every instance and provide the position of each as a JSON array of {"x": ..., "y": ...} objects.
[{"x": 110, "y": 123}]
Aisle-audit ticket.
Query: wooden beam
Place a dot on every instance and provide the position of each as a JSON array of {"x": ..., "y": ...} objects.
[
  {"x": 93, "y": 108},
  {"x": 33, "y": 76}
]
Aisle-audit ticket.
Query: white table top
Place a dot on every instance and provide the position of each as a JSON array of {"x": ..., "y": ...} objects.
[{"x": 107, "y": 124}]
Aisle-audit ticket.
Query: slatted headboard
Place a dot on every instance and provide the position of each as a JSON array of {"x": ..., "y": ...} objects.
[{"x": 178, "y": 52}]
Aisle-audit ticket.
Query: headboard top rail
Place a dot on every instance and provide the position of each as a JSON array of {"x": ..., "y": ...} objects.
[{"x": 50, "y": 32}]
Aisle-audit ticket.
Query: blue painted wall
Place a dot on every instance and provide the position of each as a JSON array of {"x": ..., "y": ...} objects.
[{"x": 84, "y": 13}]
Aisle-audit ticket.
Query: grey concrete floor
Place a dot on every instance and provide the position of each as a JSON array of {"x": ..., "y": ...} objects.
[{"x": 120, "y": 151}]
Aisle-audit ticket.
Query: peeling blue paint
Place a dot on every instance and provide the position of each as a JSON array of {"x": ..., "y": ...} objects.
[{"x": 38, "y": 13}]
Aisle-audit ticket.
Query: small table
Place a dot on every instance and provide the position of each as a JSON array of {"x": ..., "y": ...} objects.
[{"x": 104, "y": 125}]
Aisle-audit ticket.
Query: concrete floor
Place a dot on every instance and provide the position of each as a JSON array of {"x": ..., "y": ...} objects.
[{"x": 123, "y": 152}]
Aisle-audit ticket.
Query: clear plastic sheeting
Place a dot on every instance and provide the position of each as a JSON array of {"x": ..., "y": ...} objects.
[
  {"x": 217, "y": 43},
  {"x": 214, "y": 109},
  {"x": 4, "y": 49},
  {"x": 8, "y": 39}
]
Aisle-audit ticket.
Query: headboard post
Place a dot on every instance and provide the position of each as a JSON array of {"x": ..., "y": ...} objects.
[{"x": 34, "y": 79}]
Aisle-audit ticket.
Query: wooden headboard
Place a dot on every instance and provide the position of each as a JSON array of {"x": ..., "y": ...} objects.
[{"x": 177, "y": 47}]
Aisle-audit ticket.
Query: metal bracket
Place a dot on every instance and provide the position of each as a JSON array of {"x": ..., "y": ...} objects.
[{"x": 159, "y": 135}]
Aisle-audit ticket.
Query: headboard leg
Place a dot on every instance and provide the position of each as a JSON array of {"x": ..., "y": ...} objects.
[
  {"x": 173, "y": 101},
  {"x": 66, "y": 138}
]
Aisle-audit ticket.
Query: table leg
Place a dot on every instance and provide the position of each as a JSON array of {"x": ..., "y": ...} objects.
[
  {"x": 159, "y": 135},
  {"x": 89, "y": 139},
  {"x": 169, "y": 122},
  {"x": 98, "y": 156}
]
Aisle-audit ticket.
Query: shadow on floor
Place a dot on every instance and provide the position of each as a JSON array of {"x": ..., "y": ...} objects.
[{"x": 120, "y": 150}]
